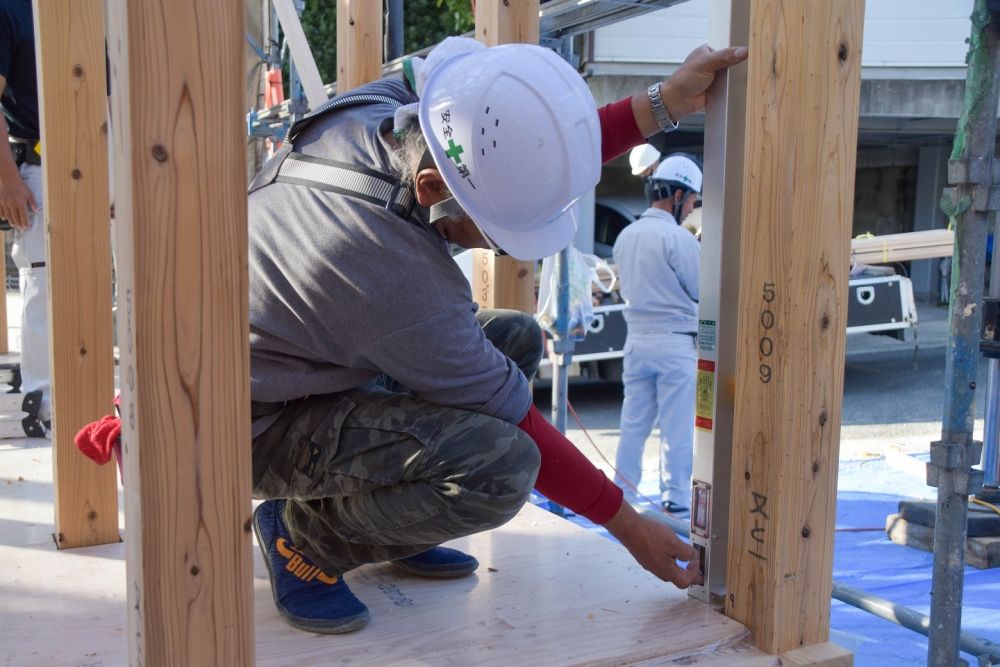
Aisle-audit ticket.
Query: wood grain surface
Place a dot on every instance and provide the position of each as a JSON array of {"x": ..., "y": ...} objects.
[{"x": 798, "y": 192}]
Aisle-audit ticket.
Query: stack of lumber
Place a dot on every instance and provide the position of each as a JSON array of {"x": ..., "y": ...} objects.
[{"x": 903, "y": 247}]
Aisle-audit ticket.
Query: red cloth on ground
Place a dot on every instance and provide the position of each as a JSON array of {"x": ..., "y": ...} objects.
[
  {"x": 566, "y": 476},
  {"x": 98, "y": 440},
  {"x": 619, "y": 131}
]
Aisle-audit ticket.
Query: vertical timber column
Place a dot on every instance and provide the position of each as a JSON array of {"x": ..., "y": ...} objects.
[
  {"x": 359, "y": 43},
  {"x": 180, "y": 176},
  {"x": 798, "y": 192},
  {"x": 504, "y": 282},
  {"x": 72, "y": 98}
]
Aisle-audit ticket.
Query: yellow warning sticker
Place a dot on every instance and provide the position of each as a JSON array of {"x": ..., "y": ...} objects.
[{"x": 704, "y": 410}]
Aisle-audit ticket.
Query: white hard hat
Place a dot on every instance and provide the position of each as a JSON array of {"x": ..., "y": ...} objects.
[
  {"x": 642, "y": 158},
  {"x": 514, "y": 131},
  {"x": 679, "y": 170}
]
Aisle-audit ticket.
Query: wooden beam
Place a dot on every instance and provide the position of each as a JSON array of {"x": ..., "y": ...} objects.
[
  {"x": 69, "y": 37},
  {"x": 827, "y": 654},
  {"x": 504, "y": 282},
  {"x": 180, "y": 179},
  {"x": 798, "y": 187},
  {"x": 359, "y": 43}
]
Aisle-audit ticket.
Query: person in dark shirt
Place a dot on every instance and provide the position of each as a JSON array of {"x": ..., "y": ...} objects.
[{"x": 21, "y": 196}]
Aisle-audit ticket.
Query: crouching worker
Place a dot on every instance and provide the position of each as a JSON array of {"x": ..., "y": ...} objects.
[{"x": 389, "y": 415}]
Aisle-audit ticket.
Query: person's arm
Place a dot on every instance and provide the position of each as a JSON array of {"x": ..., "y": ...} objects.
[
  {"x": 15, "y": 196},
  {"x": 568, "y": 478},
  {"x": 625, "y": 124}
]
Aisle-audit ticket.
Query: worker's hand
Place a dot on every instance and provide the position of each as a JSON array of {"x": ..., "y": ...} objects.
[
  {"x": 655, "y": 546},
  {"x": 684, "y": 92},
  {"x": 15, "y": 200}
]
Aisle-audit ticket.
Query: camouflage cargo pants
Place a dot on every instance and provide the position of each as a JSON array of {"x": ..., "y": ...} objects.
[{"x": 373, "y": 475}]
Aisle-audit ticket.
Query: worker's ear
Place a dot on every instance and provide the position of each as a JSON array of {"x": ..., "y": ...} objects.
[
  {"x": 429, "y": 187},
  {"x": 679, "y": 195}
]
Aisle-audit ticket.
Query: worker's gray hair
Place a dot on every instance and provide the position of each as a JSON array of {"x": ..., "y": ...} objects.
[{"x": 405, "y": 159}]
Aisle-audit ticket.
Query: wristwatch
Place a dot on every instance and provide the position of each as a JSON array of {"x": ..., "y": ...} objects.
[{"x": 663, "y": 119}]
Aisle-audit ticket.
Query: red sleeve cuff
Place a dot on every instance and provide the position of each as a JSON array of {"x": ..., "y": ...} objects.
[
  {"x": 566, "y": 476},
  {"x": 619, "y": 131}
]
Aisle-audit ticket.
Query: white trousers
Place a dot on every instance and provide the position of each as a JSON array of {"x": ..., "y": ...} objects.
[
  {"x": 659, "y": 378},
  {"x": 28, "y": 249}
]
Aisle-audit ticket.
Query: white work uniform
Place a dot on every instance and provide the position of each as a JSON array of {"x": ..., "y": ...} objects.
[
  {"x": 28, "y": 253},
  {"x": 658, "y": 262}
]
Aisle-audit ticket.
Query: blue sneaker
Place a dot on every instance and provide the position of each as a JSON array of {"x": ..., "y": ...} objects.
[
  {"x": 307, "y": 597},
  {"x": 439, "y": 562}
]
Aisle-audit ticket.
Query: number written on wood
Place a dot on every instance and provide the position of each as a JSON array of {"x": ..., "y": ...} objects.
[{"x": 766, "y": 344}]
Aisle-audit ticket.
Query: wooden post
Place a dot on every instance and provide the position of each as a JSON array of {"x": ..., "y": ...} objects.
[
  {"x": 69, "y": 37},
  {"x": 180, "y": 177},
  {"x": 359, "y": 43},
  {"x": 504, "y": 282},
  {"x": 798, "y": 188}
]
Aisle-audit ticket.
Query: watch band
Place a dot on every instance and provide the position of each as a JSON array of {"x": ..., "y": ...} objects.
[{"x": 663, "y": 119}]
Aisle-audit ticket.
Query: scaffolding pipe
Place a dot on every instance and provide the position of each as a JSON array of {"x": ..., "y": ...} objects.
[
  {"x": 394, "y": 23},
  {"x": 562, "y": 344},
  {"x": 952, "y": 458},
  {"x": 986, "y": 651}
]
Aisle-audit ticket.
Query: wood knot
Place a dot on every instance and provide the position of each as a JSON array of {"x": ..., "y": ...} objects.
[
  {"x": 746, "y": 475},
  {"x": 248, "y": 526},
  {"x": 506, "y": 3},
  {"x": 824, "y": 322},
  {"x": 91, "y": 515},
  {"x": 815, "y": 467},
  {"x": 522, "y": 274},
  {"x": 160, "y": 153},
  {"x": 76, "y": 174},
  {"x": 194, "y": 570},
  {"x": 83, "y": 350},
  {"x": 806, "y": 532},
  {"x": 77, "y": 71},
  {"x": 842, "y": 52},
  {"x": 823, "y": 418},
  {"x": 350, "y": 21}
]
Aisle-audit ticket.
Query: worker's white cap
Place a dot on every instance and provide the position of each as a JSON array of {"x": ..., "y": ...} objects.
[
  {"x": 642, "y": 158},
  {"x": 514, "y": 131}
]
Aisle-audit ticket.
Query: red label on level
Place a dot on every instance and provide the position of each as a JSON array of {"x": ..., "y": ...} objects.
[{"x": 706, "y": 365}]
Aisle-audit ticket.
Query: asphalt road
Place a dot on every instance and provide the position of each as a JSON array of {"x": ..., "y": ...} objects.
[{"x": 894, "y": 398}]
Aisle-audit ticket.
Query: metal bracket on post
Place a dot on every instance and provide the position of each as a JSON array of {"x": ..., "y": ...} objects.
[
  {"x": 983, "y": 175},
  {"x": 957, "y": 459}
]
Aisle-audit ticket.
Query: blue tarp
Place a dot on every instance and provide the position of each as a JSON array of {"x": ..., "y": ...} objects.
[{"x": 868, "y": 491}]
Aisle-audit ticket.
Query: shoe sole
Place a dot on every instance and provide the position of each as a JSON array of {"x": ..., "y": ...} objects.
[
  {"x": 428, "y": 572},
  {"x": 305, "y": 624}
]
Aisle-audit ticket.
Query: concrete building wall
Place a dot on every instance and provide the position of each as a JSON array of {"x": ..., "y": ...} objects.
[{"x": 923, "y": 38}]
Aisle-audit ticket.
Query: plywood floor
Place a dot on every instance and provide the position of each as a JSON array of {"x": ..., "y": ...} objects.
[{"x": 547, "y": 593}]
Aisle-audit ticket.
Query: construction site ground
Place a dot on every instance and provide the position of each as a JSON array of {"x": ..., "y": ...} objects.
[
  {"x": 548, "y": 591},
  {"x": 893, "y": 404}
]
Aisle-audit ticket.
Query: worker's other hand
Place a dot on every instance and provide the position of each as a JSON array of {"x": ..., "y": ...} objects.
[
  {"x": 655, "y": 546},
  {"x": 684, "y": 92},
  {"x": 15, "y": 200}
]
